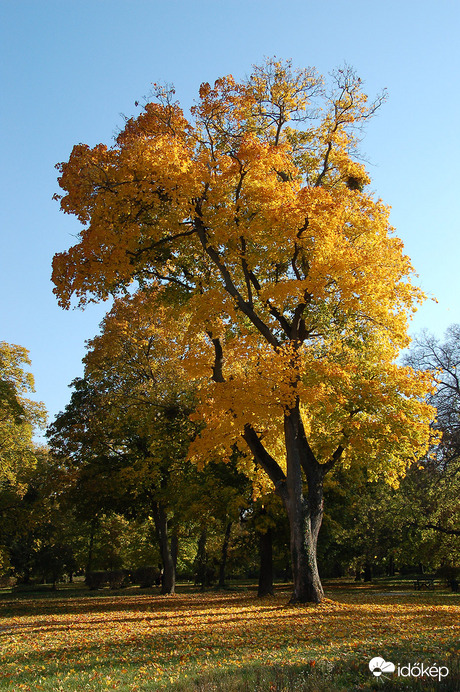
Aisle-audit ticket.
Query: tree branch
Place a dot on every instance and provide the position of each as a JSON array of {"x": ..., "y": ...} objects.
[
  {"x": 266, "y": 461},
  {"x": 217, "y": 368},
  {"x": 450, "y": 532},
  {"x": 230, "y": 287}
]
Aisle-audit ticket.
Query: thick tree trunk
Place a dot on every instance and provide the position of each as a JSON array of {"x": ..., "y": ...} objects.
[
  {"x": 223, "y": 561},
  {"x": 266, "y": 564},
  {"x": 305, "y": 514},
  {"x": 168, "y": 585},
  {"x": 307, "y": 583}
]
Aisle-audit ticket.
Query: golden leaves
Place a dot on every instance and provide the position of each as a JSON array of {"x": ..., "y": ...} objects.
[
  {"x": 264, "y": 236},
  {"x": 144, "y": 642}
]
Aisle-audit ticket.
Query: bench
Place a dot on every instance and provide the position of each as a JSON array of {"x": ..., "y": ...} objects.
[{"x": 424, "y": 582}]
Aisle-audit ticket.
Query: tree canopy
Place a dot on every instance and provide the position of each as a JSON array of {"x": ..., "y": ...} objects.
[{"x": 18, "y": 414}]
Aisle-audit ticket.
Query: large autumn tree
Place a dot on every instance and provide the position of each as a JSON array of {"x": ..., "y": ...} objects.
[{"x": 253, "y": 220}]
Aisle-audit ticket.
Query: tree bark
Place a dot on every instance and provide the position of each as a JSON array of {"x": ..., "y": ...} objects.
[
  {"x": 305, "y": 513},
  {"x": 200, "y": 560},
  {"x": 168, "y": 585},
  {"x": 223, "y": 561},
  {"x": 174, "y": 547},
  {"x": 266, "y": 564},
  {"x": 89, "y": 562}
]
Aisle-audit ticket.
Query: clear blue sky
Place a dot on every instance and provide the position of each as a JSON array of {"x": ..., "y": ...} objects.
[{"x": 71, "y": 68}]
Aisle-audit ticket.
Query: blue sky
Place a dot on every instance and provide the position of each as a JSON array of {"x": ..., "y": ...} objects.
[{"x": 71, "y": 69}]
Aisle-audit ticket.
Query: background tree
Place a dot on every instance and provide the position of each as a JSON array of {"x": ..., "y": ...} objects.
[
  {"x": 19, "y": 417},
  {"x": 432, "y": 490},
  {"x": 428, "y": 354},
  {"x": 414, "y": 526},
  {"x": 18, "y": 414},
  {"x": 253, "y": 222},
  {"x": 126, "y": 433}
]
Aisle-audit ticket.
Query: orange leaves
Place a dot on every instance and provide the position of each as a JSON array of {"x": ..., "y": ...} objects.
[{"x": 264, "y": 236}]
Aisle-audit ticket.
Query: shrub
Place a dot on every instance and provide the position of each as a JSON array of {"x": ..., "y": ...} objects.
[
  {"x": 146, "y": 576},
  {"x": 94, "y": 580},
  {"x": 118, "y": 578},
  {"x": 6, "y": 581}
]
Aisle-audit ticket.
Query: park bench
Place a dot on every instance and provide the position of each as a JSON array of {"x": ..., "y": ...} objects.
[{"x": 424, "y": 581}]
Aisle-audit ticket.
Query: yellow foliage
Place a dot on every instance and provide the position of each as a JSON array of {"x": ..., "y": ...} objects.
[{"x": 253, "y": 226}]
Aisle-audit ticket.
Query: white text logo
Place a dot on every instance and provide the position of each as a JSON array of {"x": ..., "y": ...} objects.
[{"x": 379, "y": 667}]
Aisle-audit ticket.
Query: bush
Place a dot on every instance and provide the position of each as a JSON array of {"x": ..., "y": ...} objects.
[
  {"x": 94, "y": 580},
  {"x": 146, "y": 576},
  {"x": 118, "y": 578},
  {"x": 7, "y": 581},
  {"x": 448, "y": 572}
]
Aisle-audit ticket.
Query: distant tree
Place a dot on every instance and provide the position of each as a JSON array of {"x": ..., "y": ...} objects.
[
  {"x": 126, "y": 430},
  {"x": 19, "y": 418},
  {"x": 435, "y": 486},
  {"x": 18, "y": 414}
]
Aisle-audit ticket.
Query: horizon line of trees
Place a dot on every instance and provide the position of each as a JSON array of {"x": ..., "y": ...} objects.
[{"x": 114, "y": 493}]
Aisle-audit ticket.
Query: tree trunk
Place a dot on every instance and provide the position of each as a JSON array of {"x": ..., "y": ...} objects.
[
  {"x": 200, "y": 560},
  {"x": 266, "y": 564},
  {"x": 391, "y": 567},
  {"x": 89, "y": 562},
  {"x": 307, "y": 584},
  {"x": 175, "y": 547},
  {"x": 305, "y": 514},
  {"x": 223, "y": 561},
  {"x": 168, "y": 585}
]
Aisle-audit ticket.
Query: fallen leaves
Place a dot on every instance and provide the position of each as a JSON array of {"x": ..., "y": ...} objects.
[{"x": 130, "y": 642}]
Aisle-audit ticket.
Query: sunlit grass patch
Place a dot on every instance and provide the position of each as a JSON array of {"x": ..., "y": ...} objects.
[{"x": 200, "y": 641}]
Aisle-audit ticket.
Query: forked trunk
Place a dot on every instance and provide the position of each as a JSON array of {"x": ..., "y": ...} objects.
[{"x": 304, "y": 513}]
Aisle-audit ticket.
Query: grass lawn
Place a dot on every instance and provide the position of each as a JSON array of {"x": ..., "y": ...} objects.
[{"x": 134, "y": 640}]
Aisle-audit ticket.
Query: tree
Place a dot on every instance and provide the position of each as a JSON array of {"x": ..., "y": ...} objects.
[
  {"x": 253, "y": 221},
  {"x": 126, "y": 430},
  {"x": 434, "y": 489},
  {"x": 19, "y": 416}
]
